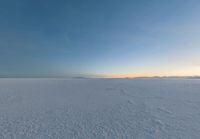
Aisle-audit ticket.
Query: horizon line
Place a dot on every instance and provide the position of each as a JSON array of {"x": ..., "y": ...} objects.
[{"x": 92, "y": 77}]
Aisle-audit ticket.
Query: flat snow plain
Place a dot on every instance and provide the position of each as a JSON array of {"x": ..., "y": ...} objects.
[{"x": 100, "y": 108}]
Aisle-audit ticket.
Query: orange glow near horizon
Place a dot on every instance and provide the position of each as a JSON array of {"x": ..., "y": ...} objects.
[{"x": 181, "y": 72}]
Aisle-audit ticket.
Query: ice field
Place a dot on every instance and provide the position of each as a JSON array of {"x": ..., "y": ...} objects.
[{"x": 100, "y": 108}]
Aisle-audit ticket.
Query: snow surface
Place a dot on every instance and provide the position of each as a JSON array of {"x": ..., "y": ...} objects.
[{"x": 99, "y": 108}]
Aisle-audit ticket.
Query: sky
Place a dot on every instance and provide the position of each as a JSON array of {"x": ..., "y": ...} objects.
[{"x": 99, "y": 38}]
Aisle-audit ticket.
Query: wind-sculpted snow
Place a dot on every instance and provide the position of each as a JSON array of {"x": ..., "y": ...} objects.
[{"x": 99, "y": 109}]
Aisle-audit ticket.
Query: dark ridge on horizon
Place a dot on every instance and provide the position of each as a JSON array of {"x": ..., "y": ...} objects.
[
  {"x": 163, "y": 77},
  {"x": 34, "y": 76},
  {"x": 92, "y": 77},
  {"x": 49, "y": 76}
]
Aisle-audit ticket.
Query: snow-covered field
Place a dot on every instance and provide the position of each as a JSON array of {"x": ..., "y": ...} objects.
[{"x": 100, "y": 108}]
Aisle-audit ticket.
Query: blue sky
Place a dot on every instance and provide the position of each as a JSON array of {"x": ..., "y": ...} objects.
[{"x": 107, "y": 38}]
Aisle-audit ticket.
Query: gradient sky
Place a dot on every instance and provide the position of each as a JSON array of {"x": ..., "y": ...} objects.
[{"x": 106, "y": 38}]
